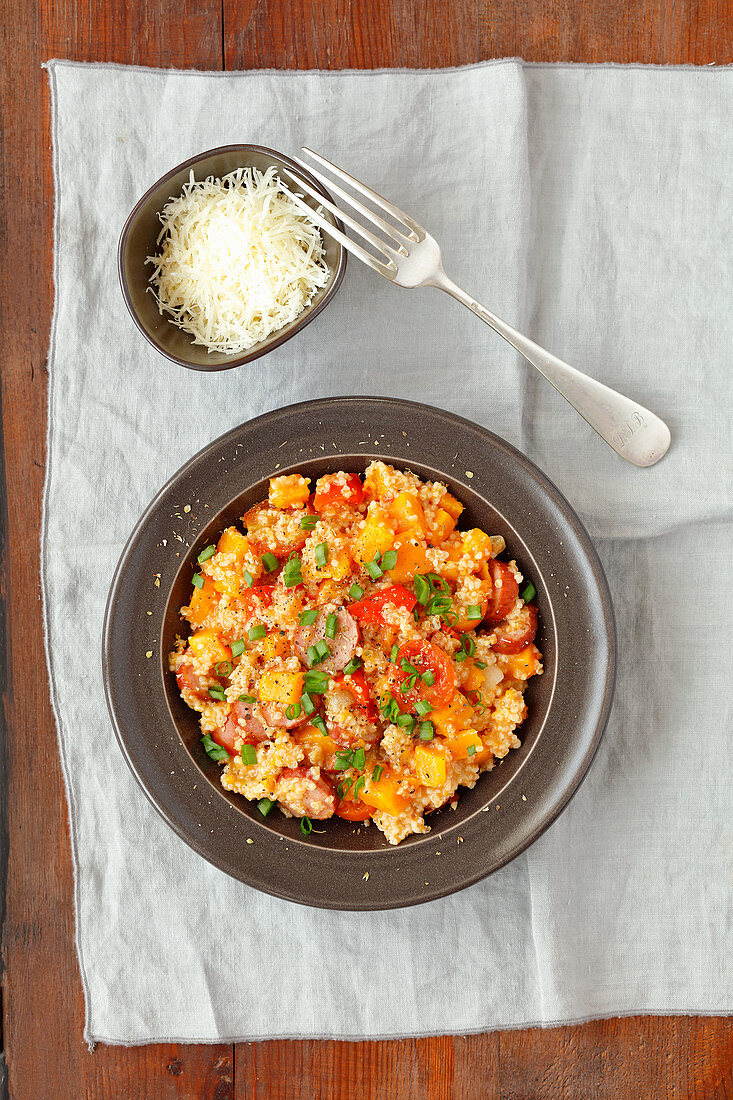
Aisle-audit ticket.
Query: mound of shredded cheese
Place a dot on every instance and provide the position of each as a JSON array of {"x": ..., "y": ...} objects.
[{"x": 238, "y": 260}]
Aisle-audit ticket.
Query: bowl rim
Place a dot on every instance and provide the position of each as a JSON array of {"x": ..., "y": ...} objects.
[
  {"x": 308, "y": 314},
  {"x": 254, "y": 865}
]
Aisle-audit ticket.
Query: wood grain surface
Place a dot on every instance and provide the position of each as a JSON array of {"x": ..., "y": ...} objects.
[{"x": 42, "y": 997}]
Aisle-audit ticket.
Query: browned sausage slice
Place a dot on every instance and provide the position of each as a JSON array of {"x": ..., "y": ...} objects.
[{"x": 342, "y": 647}]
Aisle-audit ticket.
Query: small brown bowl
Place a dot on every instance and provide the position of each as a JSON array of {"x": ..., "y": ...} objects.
[{"x": 138, "y": 240}]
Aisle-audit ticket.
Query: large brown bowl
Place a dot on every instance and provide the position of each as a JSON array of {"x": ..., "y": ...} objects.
[
  {"x": 350, "y": 866},
  {"x": 138, "y": 240}
]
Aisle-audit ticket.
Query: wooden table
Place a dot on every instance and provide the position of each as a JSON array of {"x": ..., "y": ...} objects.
[{"x": 42, "y": 998}]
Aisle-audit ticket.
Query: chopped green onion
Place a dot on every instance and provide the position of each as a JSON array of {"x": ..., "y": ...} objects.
[
  {"x": 322, "y": 649},
  {"x": 471, "y": 750},
  {"x": 206, "y": 554},
  {"x": 308, "y": 617},
  {"x": 373, "y": 568},
  {"x": 197, "y": 580},
  {"x": 359, "y": 758},
  {"x": 247, "y": 699},
  {"x": 408, "y": 685},
  {"x": 307, "y": 703},
  {"x": 269, "y": 562},
  {"x": 359, "y": 786},
  {"x": 529, "y": 593},
  {"x": 473, "y": 611},
  {"x": 407, "y": 721},
  {"x": 265, "y": 805},
  {"x": 292, "y": 572},
  {"x": 308, "y": 522},
  {"x": 343, "y": 760},
  {"x": 293, "y": 711},
  {"x": 248, "y": 578},
  {"x": 321, "y": 554},
  {"x": 393, "y": 653},
  {"x": 312, "y": 655},
  {"x": 480, "y": 664},
  {"x": 223, "y": 668},
  {"x": 256, "y": 632},
  {"x": 423, "y": 707},
  {"x": 416, "y": 614},
  {"x": 216, "y": 752},
  {"x": 438, "y": 583},
  {"x": 377, "y": 773},
  {"x": 460, "y": 656},
  {"x": 356, "y": 591},
  {"x": 248, "y": 754},
  {"x": 305, "y": 826},
  {"x": 422, "y": 589},
  {"x": 427, "y": 731},
  {"x": 331, "y": 626},
  {"x": 468, "y": 644},
  {"x": 428, "y": 678},
  {"x": 344, "y": 787},
  {"x": 315, "y": 682},
  {"x": 439, "y": 605},
  {"x": 389, "y": 559},
  {"x": 354, "y": 663},
  {"x": 320, "y": 725},
  {"x": 218, "y": 693},
  {"x": 407, "y": 667},
  {"x": 238, "y": 647}
]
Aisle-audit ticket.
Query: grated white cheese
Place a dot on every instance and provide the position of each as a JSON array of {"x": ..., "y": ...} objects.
[{"x": 238, "y": 261}]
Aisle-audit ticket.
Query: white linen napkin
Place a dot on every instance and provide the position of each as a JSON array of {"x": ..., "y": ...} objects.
[{"x": 591, "y": 206}]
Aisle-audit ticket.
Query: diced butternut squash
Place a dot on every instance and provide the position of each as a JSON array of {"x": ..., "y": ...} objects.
[
  {"x": 477, "y": 545},
  {"x": 453, "y": 716},
  {"x": 204, "y": 602},
  {"x": 468, "y": 746},
  {"x": 272, "y": 646},
  {"x": 441, "y": 525},
  {"x": 319, "y": 747},
  {"x": 522, "y": 665},
  {"x": 233, "y": 542},
  {"x": 452, "y": 506},
  {"x": 338, "y": 566},
  {"x": 289, "y": 491},
  {"x": 429, "y": 763},
  {"x": 376, "y": 536},
  {"x": 230, "y": 583},
  {"x": 408, "y": 513},
  {"x": 411, "y": 557},
  {"x": 281, "y": 687},
  {"x": 376, "y": 481},
  {"x": 384, "y": 796},
  {"x": 206, "y": 645}
]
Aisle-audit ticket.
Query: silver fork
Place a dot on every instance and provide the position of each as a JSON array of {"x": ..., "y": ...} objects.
[{"x": 411, "y": 258}]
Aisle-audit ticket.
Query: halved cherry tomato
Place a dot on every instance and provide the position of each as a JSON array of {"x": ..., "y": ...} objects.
[
  {"x": 369, "y": 610},
  {"x": 260, "y": 595},
  {"x": 332, "y": 492},
  {"x": 516, "y": 634},
  {"x": 356, "y": 684},
  {"x": 503, "y": 594},
  {"x": 353, "y": 811},
  {"x": 425, "y": 657}
]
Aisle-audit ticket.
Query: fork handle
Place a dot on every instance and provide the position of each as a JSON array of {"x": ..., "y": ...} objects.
[{"x": 634, "y": 432}]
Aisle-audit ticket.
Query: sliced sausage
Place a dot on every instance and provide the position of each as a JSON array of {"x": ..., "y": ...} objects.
[
  {"x": 503, "y": 594},
  {"x": 304, "y": 796},
  {"x": 343, "y": 646},
  {"x": 516, "y": 633},
  {"x": 240, "y": 722},
  {"x": 274, "y": 714},
  {"x": 190, "y": 684}
]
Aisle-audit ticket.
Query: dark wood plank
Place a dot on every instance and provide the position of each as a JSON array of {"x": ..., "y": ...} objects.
[
  {"x": 43, "y": 1018},
  {"x": 43, "y": 1011}
]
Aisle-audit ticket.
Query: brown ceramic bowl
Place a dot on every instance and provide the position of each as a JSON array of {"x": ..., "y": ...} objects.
[
  {"x": 139, "y": 240},
  {"x": 511, "y": 805}
]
